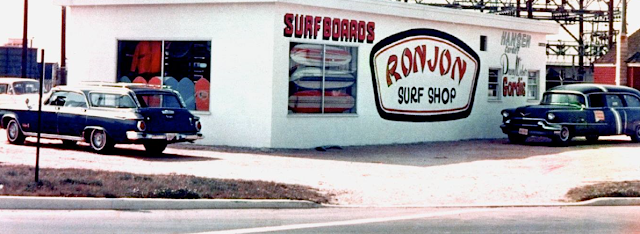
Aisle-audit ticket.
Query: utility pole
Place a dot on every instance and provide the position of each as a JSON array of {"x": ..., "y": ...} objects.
[{"x": 24, "y": 39}]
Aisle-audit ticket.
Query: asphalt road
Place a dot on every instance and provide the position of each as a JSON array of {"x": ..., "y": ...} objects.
[{"x": 330, "y": 220}]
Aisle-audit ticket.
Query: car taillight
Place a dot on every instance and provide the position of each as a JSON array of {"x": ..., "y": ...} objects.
[
  {"x": 141, "y": 125},
  {"x": 198, "y": 125}
]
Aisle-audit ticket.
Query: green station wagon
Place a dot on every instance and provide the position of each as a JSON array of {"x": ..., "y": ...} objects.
[{"x": 568, "y": 111}]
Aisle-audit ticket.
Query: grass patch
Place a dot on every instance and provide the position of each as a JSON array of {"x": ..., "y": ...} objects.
[
  {"x": 18, "y": 180},
  {"x": 605, "y": 189}
]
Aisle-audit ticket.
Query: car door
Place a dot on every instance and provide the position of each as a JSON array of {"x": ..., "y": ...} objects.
[
  {"x": 616, "y": 106},
  {"x": 49, "y": 112},
  {"x": 604, "y": 120},
  {"x": 72, "y": 115},
  {"x": 632, "y": 112}
]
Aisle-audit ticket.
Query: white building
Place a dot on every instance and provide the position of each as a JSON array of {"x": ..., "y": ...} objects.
[{"x": 253, "y": 70}]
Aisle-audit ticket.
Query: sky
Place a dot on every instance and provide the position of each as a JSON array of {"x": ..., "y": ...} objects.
[{"x": 45, "y": 19}]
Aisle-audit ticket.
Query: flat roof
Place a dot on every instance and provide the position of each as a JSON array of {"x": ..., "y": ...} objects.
[{"x": 380, "y": 7}]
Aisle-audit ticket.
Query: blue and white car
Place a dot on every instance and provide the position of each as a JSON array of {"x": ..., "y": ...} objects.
[
  {"x": 105, "y": 114},
  {"x": 568, "y": 111}
]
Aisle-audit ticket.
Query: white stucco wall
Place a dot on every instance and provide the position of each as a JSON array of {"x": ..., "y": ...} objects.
[
  {"x": 367, "y": 127},
  {"x": 250, "y": 58},
  {"x": 241, "y": 66}
]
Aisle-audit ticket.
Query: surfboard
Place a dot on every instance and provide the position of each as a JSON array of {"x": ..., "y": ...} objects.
[
  {"x": 311, "y": 78},
  {"x": 155, "y": 81},
  {"x": 139, "y": 80},
  {"x": 311, "y": 55},
  {"x": 186, "y": 88},
  {"x": 124, "y": 79},
  {"x": 171, "y": 82},
  {"x": 310, "y": 101},
  {"x": 202, "y": 94}
]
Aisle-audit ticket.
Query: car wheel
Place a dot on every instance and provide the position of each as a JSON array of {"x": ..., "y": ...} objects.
[
  {"x": 592, "y": 138},
  {"x": 517, "y": 138},
  {"x": 155, "y": 147},
  {"x": 69, "y": 143},
  {"x": 100, "y": 141},
  {"x": 14, "y": 133},
  {"x": 565, "y": 136},
  {"x": 636, "y": 135}
]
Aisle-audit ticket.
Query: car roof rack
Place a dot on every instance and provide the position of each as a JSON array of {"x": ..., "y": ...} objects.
[{"x": 123, "y": 85}]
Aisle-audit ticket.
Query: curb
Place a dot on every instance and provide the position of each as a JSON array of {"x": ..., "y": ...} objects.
[{"x": 83, "y": 203}]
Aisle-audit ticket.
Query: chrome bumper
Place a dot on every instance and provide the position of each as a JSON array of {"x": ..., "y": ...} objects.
[{"x": 171, "y": 137}]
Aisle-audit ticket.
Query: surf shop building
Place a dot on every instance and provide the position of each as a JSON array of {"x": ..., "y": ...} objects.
[{"x": 305, "y": 73}]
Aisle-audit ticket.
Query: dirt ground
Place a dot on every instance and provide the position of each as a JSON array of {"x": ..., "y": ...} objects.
[{"x": 474, "y": 172}]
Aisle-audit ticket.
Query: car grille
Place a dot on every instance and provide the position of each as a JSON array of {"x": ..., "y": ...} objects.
[{"x": 525, "y": 122}]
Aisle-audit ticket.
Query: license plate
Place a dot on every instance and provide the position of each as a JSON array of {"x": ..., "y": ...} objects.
[
  {"x": 171, "y": 136},
  {"x": 523, "y": 131}
]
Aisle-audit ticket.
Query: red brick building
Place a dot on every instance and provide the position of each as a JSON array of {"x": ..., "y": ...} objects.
[{"x": 606, "y": 70}]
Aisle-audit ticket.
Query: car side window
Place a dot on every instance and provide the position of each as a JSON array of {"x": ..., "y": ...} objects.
[
  {"x": 57, "y": 99},
  {"x": 596, "y": 100},
  {"x": 614, "y": 101},
  {"x": 75, "y": 100},
  {"x": 3, "y": 88},
  {"x": 111, "y": 100},
  {"x": 632, "y": 101}
]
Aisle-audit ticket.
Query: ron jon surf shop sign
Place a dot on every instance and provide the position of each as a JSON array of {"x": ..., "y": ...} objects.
[{"x": 424, "y": 75}]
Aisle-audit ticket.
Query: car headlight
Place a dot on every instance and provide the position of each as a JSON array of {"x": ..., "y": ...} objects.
[
  {"x": 551, "y": 116},
  {"x": 505, "y": 114}
]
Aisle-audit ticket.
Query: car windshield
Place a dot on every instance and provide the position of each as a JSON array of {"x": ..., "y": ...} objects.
[
  {"x": 566, "y": 99},
  {"x": 26, "y": 87},
  {"x": 161, "y": 100}
]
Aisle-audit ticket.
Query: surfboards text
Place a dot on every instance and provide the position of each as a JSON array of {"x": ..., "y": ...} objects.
[{"x": 336, "y": 29}]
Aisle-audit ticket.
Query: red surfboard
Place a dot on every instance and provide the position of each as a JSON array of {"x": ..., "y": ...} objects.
[
  {"x": 155, "y": 81},
  {"x": 310, "y": 101},
  {"x": 311, "y": 55},
  {"x": 139, "y": 80},
  {"x": 202, "y": 94}
]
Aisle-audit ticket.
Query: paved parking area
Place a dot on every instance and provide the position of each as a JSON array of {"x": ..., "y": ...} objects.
[{"x": 474, "y": 172}]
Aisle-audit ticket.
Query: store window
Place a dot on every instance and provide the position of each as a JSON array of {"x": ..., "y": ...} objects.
[
  {"x": 322, "y": 79},
  {"x": 494, "y": 84},
  {"x": 181, "y": 65},
  {"x": 532, "y": 85}
]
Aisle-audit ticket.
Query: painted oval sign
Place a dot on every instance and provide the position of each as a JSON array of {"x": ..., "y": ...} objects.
[{"x": 424, "y": 75}]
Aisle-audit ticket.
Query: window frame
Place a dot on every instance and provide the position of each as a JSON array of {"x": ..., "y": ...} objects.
[
  {"x": 533, "y": 87},
  {"x": 351, "y": 90},
  {"x": 163, "y": 40},
  {"x": 498, "y": 91}
]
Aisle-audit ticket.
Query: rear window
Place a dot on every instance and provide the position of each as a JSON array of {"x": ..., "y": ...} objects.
[
  {"x": 111, "y": 100},
  {"x": 26, "y": 87},
  {"x": 159, "y": 100}
]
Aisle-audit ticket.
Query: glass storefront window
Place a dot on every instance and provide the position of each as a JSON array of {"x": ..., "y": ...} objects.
[
  {"x": 322, "y": 78},
  {"x": 181, "y": 65}
]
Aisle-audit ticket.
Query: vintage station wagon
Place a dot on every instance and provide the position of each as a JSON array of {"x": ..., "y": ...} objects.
[
  {"x": 104, "y": 114},
  {"x": 568, "y": 111}
]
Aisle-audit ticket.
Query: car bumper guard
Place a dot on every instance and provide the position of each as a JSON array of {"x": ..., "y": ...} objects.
[{"x": 171, "y": 137}]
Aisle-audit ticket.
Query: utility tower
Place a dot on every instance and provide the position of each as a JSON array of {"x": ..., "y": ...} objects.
[{"x": 590, "y": 23}]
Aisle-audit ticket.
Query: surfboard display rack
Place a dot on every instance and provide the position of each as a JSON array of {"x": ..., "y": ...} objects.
[{"x": 321, "y": 79}]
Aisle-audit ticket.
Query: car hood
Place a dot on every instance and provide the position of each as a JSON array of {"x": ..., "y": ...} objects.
[{"x": 539, "y": 111}]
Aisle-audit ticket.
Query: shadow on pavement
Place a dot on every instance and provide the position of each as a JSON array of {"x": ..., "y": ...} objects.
[
  {"x": 428, "y": 154},
  {"x": 124, "y": 151}
]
